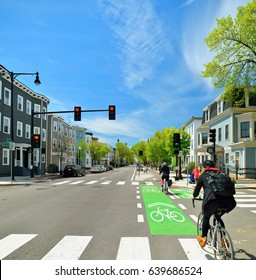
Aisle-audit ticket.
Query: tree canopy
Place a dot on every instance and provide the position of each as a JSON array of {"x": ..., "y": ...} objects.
[{"x": 234, "y": 42}]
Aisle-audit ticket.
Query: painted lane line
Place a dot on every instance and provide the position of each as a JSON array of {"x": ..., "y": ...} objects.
[
  {"x": 138, "y": 192},
  {"x": 91, "y": 182},
  {"x": 75, "y": 183},
  {"x": 137, "y": 188},
  {"x": 253, "y": 211},
  {"x": 69, "y": 248},
  {"x": 106, "y": 183},
  {"x": 139, "y": 205},
  {"x": 135, "y": 183},
  {"x": 246, "y": 200},
  {"x": 246, "y": 195},
  {"x": 193, "y": 250},
  {"x": 61, "y": 183},
  {"x": 246, "y": 205},
  {"x": 194, "y": 218},
  {"x": 140, "y": 218},
  {"x": 134, "y": 248},
  {"x": 182, "y": 206},
  {"x": 12, "y": 242},
  {"x": 149, "y": 184},
  {"x": 120, "y": 183},
  {"x": 138, "y": 197}
]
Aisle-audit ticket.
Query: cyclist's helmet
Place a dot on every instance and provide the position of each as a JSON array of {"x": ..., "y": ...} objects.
[
  {"x": 208, "y": 163},
  {"x": 164, "y": 164}
]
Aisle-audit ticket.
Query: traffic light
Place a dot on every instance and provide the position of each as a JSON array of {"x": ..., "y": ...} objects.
[
  {"x": 111, "y": 112},
  {"x": 176, "y": 141},
  {"x": 213, "y": 135},
  {"x": 36, "y": 140},
  {"x": 77, "y": 113}
]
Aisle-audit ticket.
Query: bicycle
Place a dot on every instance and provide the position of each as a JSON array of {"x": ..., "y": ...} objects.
[
  {"x": 218, "y": 237},
  {"x": 165, "y": 187}
]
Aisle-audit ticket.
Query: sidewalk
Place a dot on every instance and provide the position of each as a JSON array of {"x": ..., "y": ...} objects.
[{"x": 24, "y": 180}]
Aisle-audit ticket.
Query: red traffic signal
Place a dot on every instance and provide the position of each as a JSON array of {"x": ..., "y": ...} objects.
[
  {"x": 77, "y": 113},
  {"x": 36, "y": 140},
  {"x": 111, "y": 112}
]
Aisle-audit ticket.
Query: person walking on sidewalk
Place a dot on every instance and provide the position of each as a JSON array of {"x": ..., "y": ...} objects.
[{"x": 196, "y": 173}]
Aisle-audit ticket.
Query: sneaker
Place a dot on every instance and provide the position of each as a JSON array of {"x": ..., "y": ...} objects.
[{"x": 201, "y": 240}]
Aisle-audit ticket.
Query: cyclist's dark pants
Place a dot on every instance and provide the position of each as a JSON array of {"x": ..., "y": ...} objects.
[
  {"x": 166, "y": 177},
  {"x": 211, "y": 207}
]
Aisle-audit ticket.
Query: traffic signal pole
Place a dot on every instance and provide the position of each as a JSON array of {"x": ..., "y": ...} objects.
[{"x": 33, "y": 113}]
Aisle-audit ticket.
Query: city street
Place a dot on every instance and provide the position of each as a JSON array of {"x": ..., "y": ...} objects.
[{"x": 105, "y": 217}]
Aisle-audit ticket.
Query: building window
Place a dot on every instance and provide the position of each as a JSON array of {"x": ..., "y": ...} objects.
[
  {"x": 28, "y": 107},
  {"x": 7, "y": 96},
  {"x": 37, "y": 109},
  {"x": 0, "y": 89},
  {"x": 219, "y": 107},
  {"x": 226, "y": 158},
  {"x": 198, "y": 139},
  {"x": 27, "y": 131},
  {"x": 206, "y": 115},
  {"x": 54, "y": 142},
  {"x": 43, "y": 134},
  {"x": 219, "y": 134},
  {"x": 6, "y": 125},
  {"x": 44, "y": 115},
  {"x": 226, "y": 132},
  {"x": 19, "y": 129},
  {"x": 36, "y": 130},
  {"x": 20, "y": 103},
  {"x": 54, "y": 125},
  {"x": 6, "y": 157},
  {"x": 245, "y": 132},
  {"x": 204, "y": 138}
]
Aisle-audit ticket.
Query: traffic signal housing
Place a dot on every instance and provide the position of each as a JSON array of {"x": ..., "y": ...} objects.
[
  {"x": 36, "y": 141},
  {"x": 213, "y": 135},
  {"x": 176, "y": 141},
  {"x": 77, "y": 113},
  {"x": 111, "y": 112}
]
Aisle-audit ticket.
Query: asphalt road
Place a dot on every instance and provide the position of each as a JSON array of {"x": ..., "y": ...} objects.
[{"x": 102, "y": 217}]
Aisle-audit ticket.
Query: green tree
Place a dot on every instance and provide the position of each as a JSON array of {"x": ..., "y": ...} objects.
[
  {"x": 234, "y": 42},
  {"x": 98, "y": 150}
]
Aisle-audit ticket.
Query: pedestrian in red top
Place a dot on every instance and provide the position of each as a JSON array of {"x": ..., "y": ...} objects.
[{"x": 196, "y": 173}]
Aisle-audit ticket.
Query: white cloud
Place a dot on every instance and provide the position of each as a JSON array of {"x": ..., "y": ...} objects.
[{"x": 140, "y": 36}]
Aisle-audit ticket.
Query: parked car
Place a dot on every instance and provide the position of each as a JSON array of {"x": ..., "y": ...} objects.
[
  {"x": 103, "y": 167},
  {"x": 96, "y": 169},
  {"x": 74, "y": 170}
]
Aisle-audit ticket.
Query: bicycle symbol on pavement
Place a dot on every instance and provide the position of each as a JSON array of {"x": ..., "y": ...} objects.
[{"x": 161, "y": 213}]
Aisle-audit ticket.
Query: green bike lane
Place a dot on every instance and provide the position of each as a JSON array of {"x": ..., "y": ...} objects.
[{"x": 163, "y": 215}]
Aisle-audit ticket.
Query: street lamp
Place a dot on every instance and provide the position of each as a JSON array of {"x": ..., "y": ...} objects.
[{"x": 13, "y": 77}]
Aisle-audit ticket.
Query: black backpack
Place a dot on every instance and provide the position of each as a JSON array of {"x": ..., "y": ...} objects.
[{"x": 221, "y": 184}]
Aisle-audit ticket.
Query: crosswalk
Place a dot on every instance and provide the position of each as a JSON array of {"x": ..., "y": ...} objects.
[{"x": 72, "y": 247}]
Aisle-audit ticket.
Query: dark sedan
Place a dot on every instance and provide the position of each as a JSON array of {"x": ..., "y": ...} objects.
[{"x": 74, "y": 170}]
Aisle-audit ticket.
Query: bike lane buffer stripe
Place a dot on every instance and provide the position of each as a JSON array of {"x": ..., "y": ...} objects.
[
  {"x": 165, "y": 217},
  {"x": 184, "y": 193}
]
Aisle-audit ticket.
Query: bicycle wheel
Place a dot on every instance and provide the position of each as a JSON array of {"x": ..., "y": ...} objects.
[{"x": 222, "y": 245}]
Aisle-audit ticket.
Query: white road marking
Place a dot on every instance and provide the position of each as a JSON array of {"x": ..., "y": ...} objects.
[
  {"x": 244, "y": 195},
  {"x": 140, "y": 218},
  {"x": 77, "y": 182},
  {"x": 12, "y": 242},
  {"x": 135, "y": 183},
  {"x": 69, "y": 248},
  {"x": 139, "y": 205},
  {"x": 193, "y": 250},
  {"x": 194, "y": 218},
  {"x": 246, "y": 200},
  {"x": 182, "y": 206},
  {"x": 120, "y": 183},
  {"x": 106, "y": 182},
  {"x": 91, "y": 182},
  {"x": 134, "y": 248},
  {"x": 246, "y": 205},
  {"x": 138, "y": 196},
  {"x": 253, "y": 211},
  {"x": 149, "y": 183},
  {"x": 61, "y": 183}
]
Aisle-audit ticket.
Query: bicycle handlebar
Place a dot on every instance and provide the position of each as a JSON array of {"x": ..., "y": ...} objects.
[{"x": 193, "y": 200}]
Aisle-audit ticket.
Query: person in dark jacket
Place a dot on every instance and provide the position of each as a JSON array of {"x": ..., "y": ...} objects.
[
  {"x": 166, "y": 171},
  {"x": 211, "y": 202}
]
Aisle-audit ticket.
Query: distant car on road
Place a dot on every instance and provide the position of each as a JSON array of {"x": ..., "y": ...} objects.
[
  {"x": 96, "y": 169},
  {"x": 73, "y": 170}
]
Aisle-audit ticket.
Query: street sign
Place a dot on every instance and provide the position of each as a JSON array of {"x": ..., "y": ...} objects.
[
  {"x": 9, "y": 145},
  {"x": 6, "y": 144}
]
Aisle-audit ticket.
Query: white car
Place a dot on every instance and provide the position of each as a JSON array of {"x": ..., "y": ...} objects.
[{"x": 96, "y": 169}]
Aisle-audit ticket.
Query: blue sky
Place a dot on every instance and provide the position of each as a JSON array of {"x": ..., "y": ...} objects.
[{"x": 144, "y": 56}]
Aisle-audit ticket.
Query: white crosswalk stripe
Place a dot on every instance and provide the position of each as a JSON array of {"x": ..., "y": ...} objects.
[
  {"x": 12, "y": 242},
  {"x": 120, "y": 183},
  {"x": 91, "y": 182},
  {"x": 69, "y": 248},
  {"x": 106, "y": 182},
  {"x": 245, "y": 200}
]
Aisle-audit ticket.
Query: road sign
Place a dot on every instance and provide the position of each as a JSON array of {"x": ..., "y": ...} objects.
[{"x": 9, "y": 145}]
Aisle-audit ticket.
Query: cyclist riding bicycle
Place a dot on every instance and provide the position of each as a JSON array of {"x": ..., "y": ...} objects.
[
  {"x": 165, "y": 170},
  {"x": 211, "y": 202}
]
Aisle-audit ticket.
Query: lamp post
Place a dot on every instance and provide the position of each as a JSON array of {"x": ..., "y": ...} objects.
[
  {"x": 13, "y": 77},
  {"x": 79, "y": 154}
]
